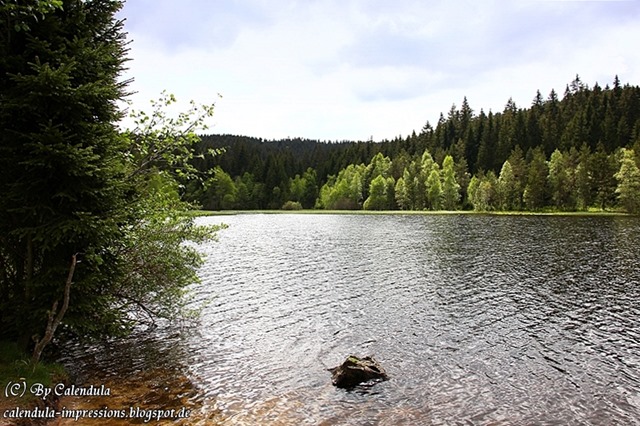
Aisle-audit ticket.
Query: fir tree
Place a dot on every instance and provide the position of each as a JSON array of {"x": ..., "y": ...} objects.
[{"x": 61, "y": 179}]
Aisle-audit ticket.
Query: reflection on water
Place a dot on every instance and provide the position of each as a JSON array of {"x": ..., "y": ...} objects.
[{"x": 477, "y": 319}]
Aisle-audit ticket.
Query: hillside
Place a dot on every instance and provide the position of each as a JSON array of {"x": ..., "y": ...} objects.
[{"x": 587, "y": 125}]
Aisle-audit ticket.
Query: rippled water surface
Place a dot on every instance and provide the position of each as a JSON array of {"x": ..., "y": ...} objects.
[
  {"x": 503, "y": 320},
  {"x": 477, "y": 319}
]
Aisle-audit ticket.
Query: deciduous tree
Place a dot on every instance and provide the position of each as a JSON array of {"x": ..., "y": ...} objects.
[
  {"x": 628, "y": 176},
  {"x": 507, "y": 188},
  {"x": 450, "y": 186},
  {"x": 434, "y": 190}
]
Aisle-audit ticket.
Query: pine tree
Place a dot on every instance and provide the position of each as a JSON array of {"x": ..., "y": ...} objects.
[
  {"x": 486, "y": 150},
  {"x": 92, "y": 224},
  {"x": 311, "y": 188},
  {"x": 550, "y": 123},
  {"x": 390, "y": 193},
  {"x": 61, "y": 179}
]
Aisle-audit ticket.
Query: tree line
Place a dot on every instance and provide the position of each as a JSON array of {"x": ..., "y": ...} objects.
[{"x": 569, "y": 153}]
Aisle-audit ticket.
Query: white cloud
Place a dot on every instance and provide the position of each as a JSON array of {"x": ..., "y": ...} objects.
[{"x": 355, "y": 69}]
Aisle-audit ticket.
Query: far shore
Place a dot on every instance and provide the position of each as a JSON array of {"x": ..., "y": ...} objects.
[{"x": 410, "y": 212}]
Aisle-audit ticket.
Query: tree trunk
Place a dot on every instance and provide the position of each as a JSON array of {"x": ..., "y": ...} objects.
[{"x": 55, "y": 317}]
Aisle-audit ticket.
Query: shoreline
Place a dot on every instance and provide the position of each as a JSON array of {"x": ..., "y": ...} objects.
[{"x": 595, "y": 213}]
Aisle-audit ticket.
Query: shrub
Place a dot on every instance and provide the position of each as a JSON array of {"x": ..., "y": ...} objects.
[{"x": 292, "y": 205}]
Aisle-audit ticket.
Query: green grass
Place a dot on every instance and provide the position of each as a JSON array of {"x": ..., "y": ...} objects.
[{"x": 15, "y": 367}]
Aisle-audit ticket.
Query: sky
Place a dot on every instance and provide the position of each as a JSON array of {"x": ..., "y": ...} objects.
[{"x": 369, "y": 69}]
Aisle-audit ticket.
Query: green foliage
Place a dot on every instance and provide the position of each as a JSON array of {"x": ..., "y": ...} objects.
[
  {"x": 401, "y": 195},
  {"x": 434, "y": 190},
  {"x": 14, "y": 364},
  {"x": 304, "y": 189},
  {"x": 73, "y": 185},
  {"x": 585, "y": 127},
  {"x": 220, "y": 192},
  {"x": 628, "y": 176},
  {"x": 20, "y": 17},
  {"x": 509, "y": 195},
  {"x": 62, "y": 188},
  {"x": 292, "y": 205},
  {"x": 155, "y": 264},
  {"x": 297, "y": 187},
  {"x": 415, "y": 189},
  {"x": 380, "y": 165},
  {"x": 535, "y": 192},
  {"x": 160, "y": 141},
  {"x": 603, "y": 169},
  {"x": 584, "y": 179},
  {"x": 378, "y": 198},
  {"x": 344, "y": 192},
  {"x": 562, "y": 180},
  {"x": 450, "y": 186},
  {"x": 483, "y": 192}
]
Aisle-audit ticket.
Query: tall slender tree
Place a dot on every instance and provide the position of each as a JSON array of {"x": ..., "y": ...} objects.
[
  {"x": 434, "y": 190},
  {"x": 628, "y": 189},
  {"x": 450, "y": 186},
  {"x": 507, "y": 188}
]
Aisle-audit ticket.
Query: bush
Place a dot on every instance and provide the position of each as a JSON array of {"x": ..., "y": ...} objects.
[{"x": 292, "y": 205}]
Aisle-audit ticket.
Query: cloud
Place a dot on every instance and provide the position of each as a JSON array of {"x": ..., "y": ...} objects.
[
  {"x": 351, "y": 69},
  {"x": 190, "y": 24}
]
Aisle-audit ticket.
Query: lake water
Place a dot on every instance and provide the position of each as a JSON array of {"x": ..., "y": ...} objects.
[{"x": 478, "y": 320}]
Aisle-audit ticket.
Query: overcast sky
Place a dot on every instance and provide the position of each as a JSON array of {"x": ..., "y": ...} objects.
[{"x": 361, "y": 69}]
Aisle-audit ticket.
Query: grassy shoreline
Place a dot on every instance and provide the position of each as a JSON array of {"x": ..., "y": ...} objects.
[
  {"x": 15, "y": 368},
  {"x": 594, "y": 213}
]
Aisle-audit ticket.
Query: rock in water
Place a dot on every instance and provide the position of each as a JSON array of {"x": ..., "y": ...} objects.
[{"x": 357, "y": 370}]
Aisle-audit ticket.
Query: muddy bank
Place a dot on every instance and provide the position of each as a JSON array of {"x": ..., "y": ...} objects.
[{"x": 157, "y": 396}]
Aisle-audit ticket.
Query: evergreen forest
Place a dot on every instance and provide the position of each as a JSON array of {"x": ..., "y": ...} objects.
[{"x": 574, "y": 152}]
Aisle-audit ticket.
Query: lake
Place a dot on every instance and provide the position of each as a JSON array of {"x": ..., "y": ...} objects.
[{"x": 501, "y": 320}]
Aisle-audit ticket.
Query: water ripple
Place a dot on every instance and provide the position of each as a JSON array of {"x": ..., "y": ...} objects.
[{"x": 477, "y": 319}]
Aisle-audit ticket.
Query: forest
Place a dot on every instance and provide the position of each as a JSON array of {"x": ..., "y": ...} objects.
[{"x": 571, "y": 153}]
